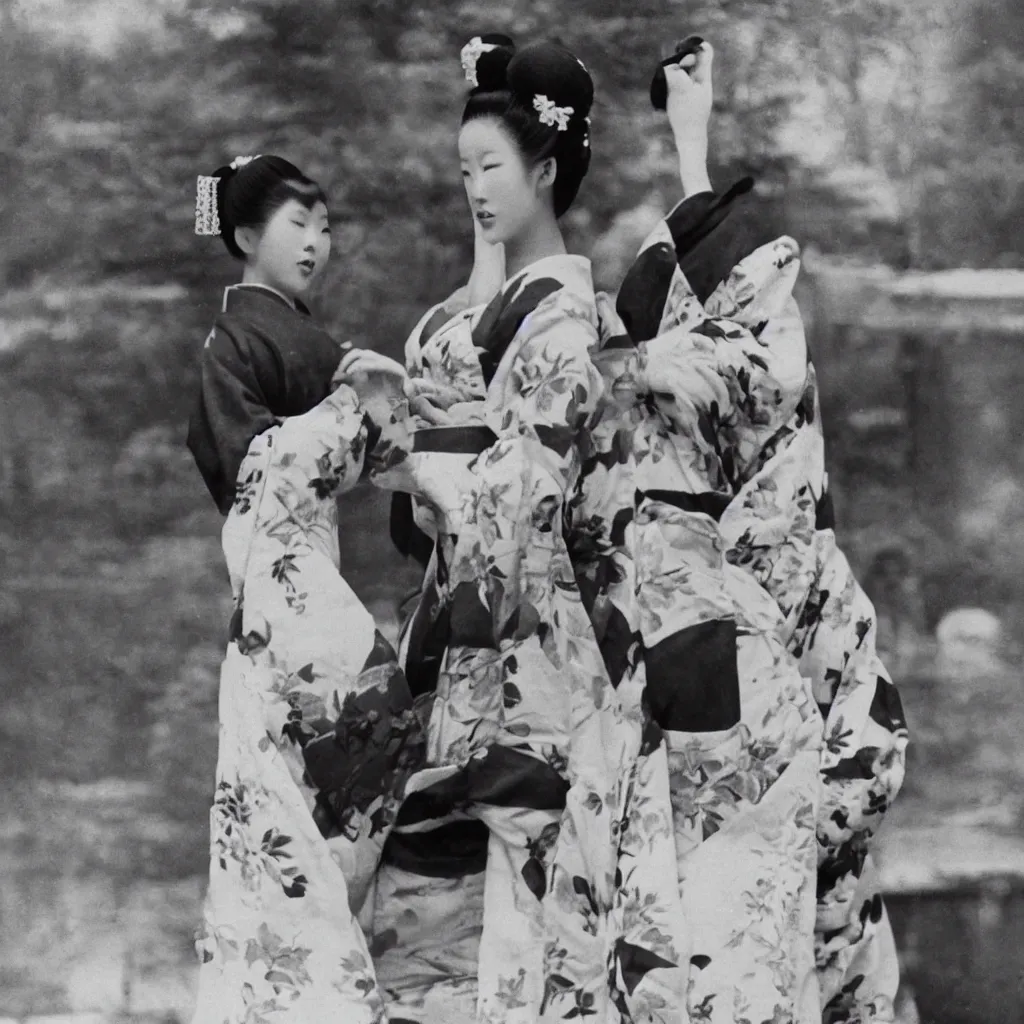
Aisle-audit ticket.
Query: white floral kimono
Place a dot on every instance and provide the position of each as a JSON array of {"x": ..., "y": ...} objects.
[
  {"x": 523, "y": 709},
  {"x": 730, "y": 375},
  {"x": 678, "y": 881},
  {"x": 317, "y": 738},
  {"x": 602, "y": 788}
]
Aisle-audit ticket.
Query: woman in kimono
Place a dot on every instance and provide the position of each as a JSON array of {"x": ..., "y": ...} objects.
[
  {"x": 318, "y": 732},
  {"x": 673, "y": 877},
  {"x": 731, "y": 730},
  {"x": 725, "y": 364},
  {"x": 264, "y": 357},
  {"x": 493, "y": 892}
]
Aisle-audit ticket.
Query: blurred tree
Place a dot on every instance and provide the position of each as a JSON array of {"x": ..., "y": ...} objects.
[
  {"x": 989, "y": 166},
  {"x": 838, "y": 106},
  {"x": 876, "y": 127}
]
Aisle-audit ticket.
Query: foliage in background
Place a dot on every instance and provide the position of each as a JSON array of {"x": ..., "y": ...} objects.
[{"x": 876, "y": 128}]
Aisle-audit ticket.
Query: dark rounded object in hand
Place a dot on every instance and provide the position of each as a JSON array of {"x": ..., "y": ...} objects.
[{"x": 659, "y": 84}]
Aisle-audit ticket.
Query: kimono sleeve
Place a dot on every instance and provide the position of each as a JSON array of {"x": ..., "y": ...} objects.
[
  {"x": 239, "y": 377},
  {"x": 862, "y": 769},
  {"x": 728, "y": 379},
  {"x": 510, "y": 547},
  {"x": 702, "y": 239},
  {"x": 429, "y": 324},
  {"x": 711, "y": 234}
]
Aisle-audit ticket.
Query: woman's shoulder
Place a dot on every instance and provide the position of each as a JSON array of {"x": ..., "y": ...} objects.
[
  {"x": 555, "y": 289},
  {"x": 566, "y": 272},
  {"x": 249, "y": 319},
  {"x": 253, "y": 309}
]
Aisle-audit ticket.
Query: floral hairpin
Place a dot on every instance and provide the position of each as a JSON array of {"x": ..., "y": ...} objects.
[
  {"x": 207, "y": 220},
  {"x": 471, "y": 53},
  {"x": 241, "y": 161},
  {"x": 552, "y": 115}
]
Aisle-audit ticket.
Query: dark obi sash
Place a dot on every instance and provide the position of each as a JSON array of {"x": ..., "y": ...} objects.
[
  {"x": 471, "y": 439},
  {"x": 440, "y": 831}
]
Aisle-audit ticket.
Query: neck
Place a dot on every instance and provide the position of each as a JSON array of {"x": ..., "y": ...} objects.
[
  {"x": 252, "y": 276},
  {"x": 540, "y": 239}
]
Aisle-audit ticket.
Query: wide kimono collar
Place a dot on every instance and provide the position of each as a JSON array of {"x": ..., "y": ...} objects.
[
  {"x": 571, "y": 271},
  {"x": 566, "y": 275}
]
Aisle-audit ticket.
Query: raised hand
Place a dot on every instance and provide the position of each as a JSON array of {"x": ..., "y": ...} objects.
[{"x": 690, "y": 97}]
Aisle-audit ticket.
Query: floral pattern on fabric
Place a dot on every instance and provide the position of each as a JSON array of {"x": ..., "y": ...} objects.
[
  {"x": 744, "y": 357},
  {"x": 522, "y": 684},
  {"x": 729, "y": 733},
  {"x": 318, "y": 738},
  {"x": 697, "y": 860}
]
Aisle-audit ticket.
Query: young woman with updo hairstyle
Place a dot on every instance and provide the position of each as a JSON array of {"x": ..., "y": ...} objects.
[
  {"x": 317, "y": 729},
  {"x": 496, "y": 885},
  {"x": 265, "y": 357}
]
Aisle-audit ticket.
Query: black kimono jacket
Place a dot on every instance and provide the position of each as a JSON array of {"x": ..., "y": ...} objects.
[{"x": 263, "y": 360}]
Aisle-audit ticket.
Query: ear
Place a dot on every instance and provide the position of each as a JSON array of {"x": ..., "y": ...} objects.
[
  {"x": 247, "y": 239},
  {"x": 546, "y": 172}
]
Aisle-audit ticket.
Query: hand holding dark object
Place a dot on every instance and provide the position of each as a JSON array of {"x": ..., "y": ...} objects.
[
  {"x": 689, "y": 47},
  {"x": 689, "y": 98}
]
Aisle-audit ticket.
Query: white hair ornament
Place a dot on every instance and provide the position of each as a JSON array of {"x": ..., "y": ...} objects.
[
  {"x": 551, "y": 114},
  {"x": 207, "y": 220},
  {"x": 471, "y": 53}
]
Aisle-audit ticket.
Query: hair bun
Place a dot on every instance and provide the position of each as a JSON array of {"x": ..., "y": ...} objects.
[
  {"x": 659, "y": 84},
  {"x": 549, "y": 69},
  {"x": 485, "y": 61}
]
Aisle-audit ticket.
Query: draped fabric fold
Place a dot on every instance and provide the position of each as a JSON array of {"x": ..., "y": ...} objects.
[
  {"x": 319, "y": 737},
  {"x": 734, "y": 365},
  {"x": 641, "y": 741}
]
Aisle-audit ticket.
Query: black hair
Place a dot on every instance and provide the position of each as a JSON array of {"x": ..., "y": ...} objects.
[
  {"x": 247, "y": 197},
  {"x": 507, "y": 83}
]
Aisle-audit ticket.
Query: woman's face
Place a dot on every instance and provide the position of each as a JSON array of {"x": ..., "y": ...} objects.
[
  {"x": 504, "y": 193},
  {"x": 291, "y": 251}
]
